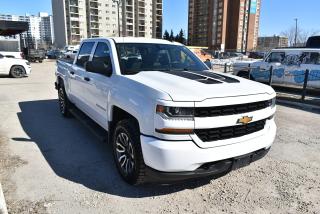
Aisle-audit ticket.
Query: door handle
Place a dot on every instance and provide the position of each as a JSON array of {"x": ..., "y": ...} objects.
[
  {"x": 72, "y": 72},
  {"x": 87, "y": 79}
]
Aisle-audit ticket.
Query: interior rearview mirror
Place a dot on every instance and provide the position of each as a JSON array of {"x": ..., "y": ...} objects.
[{"x": 100, "y": 67}]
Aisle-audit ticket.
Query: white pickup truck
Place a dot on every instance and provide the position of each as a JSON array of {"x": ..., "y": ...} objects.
[
  {"x": 13, "y": 67},
  {"x": 167, "y": 116}
]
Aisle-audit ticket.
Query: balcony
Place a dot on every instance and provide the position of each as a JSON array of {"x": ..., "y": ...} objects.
[
  {"x": 94, "y": 19},
  {"x": 142, "y": 28},
  {"x": 94, "y": 12},
  {"x": 75, "y": 24},
  {"x": 75, "y": 31},
  {"x": 73, "y": 3},
  {"x": 94, "y": 26},
  {"x": 74, "y": 10},
  {"x": 94, "y": 5}
]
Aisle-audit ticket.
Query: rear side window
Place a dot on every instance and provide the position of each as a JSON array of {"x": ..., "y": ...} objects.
[
  {"x": 84, "y": 53},
  {"x": 311, "y": 58}
]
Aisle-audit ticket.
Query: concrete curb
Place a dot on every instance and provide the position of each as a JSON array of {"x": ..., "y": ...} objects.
[
  {"x": 303, "y": 106},
  {"x": 3, "y": 206}
]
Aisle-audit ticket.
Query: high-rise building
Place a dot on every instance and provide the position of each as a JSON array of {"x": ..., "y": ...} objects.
[
  {"x": 271, "y": 42},
  {"x": 224, "y": 24},
  {"x": 40, "y": 29},
  {"x": 75, "y": 20}
]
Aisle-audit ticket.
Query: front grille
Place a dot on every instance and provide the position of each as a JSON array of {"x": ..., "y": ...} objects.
[
  {"x": 224, "y": 133},
  {"x": 230, "y": 109}
]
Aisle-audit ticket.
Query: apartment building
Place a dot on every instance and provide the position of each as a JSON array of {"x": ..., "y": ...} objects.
[
  {"x": 271, "y": 42},
  {"x": 231, "y": 25},
  {"x": 75, "y": 20},
  {"x": 40, "y": 28}
]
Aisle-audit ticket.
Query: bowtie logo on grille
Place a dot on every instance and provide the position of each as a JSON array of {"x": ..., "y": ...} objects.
[{"x": 244, "y": 120}]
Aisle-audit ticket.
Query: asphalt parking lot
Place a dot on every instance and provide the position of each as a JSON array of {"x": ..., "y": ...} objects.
[{"x": 49, "y": 164}]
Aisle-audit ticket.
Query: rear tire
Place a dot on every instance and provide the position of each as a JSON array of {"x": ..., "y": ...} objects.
[
  {"x": 17, "y": 71},
  {"x": 127, "y": 152},
  {"x": 64, "y": 102}
]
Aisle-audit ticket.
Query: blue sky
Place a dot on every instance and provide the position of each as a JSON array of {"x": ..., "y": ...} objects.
[{"x": 276, "y": 15}]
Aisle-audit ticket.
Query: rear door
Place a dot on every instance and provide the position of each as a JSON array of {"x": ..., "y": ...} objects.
[
  {"x": 98, "y": 86},
  {"x": 77, "y": 76},
  {"x": 312, "y": 63}
]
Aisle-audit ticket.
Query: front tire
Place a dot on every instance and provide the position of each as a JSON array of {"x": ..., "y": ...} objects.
[
  {"x": 127, "y": 152},
  {"x": 64, "y": 102},
  {"x": 17, "y": 71}
]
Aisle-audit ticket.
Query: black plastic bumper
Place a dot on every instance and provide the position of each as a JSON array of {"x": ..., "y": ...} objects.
[{"x": 214, "y": 169}]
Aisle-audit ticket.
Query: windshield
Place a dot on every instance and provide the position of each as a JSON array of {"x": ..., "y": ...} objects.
[{"x": 136, "y": 57}]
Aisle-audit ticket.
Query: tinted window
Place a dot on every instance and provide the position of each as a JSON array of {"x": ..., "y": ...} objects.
[
  {"x": 135, "y": 58},
  {"x": 102, "y": 54},
  {"x": 1, "y": 56},
  {"x": 276, "y": 57},
  {"x": 310, "y": 58},
  {"x": 84, "y": 53}
]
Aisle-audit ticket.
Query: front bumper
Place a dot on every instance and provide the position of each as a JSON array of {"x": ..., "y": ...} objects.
[
  {"x": 186, "y": 156},
  {"x": 214, "y": 169},
  {"x": 28, "y": 69}
]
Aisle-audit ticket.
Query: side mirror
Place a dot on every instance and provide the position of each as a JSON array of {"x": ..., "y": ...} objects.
[{"x": 100, "y": 67}]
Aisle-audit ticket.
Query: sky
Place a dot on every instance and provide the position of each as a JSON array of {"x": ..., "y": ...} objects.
[{"x": 276, "y": 15}]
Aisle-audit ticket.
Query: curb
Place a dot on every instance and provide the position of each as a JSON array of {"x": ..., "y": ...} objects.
[
  {"x": 303, "y": 106},
  {"x": 3, "y": 206}
]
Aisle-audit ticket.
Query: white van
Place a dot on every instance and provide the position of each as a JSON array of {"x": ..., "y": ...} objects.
[{"x": 289, "y": 67}]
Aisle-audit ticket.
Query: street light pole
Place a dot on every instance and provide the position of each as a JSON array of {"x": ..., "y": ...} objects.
[
  {"x": 296, "y": 34},
  {"x": 118, "y": 4}
]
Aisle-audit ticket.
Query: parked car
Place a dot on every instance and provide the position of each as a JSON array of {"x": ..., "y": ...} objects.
[
  {"x": 16, "y": 68},
  {"x": 289, "y": 67},
  {"x": 10, "y": 54},
  {"x": 54, "y": 54},
  {"x": 167, "y": 116},
  {"x": 256, "y": 55},
  {"x": 70, "y": 54}
]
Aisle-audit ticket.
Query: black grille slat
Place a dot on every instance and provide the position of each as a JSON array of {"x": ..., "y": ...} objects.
[
  {"x": 230, "y": 110},
  {"x": 224, "y": 133}
]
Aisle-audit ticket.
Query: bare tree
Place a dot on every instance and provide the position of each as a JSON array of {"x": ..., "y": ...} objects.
[{"x": 302, "y": 35}]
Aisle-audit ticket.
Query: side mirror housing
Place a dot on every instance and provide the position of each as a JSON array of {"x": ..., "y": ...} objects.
[{"x": 100, "y": 67}]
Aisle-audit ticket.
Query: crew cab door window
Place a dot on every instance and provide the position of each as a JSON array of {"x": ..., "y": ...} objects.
[
  {"x": 84, "y": 53},
  {"x": 102, "y": 54},
  {"x": 276, "y": 57},
  {"x": 310, "y": 58}
]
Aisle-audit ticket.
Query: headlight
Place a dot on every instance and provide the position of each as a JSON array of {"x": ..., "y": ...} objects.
[
  {"x": 175, "y": 112},
  {"x": 272, "y": 102}
]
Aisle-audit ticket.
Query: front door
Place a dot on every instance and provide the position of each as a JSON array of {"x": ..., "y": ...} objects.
[{"x": 98, "y": 86}]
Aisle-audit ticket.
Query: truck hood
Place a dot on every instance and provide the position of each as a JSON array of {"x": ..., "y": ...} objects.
[{"x": 199, "y": 86}]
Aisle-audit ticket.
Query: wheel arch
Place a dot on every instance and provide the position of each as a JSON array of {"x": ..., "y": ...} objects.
[
  {"x": 117, "y": 114},
  {"x": 17, "y": 65}
]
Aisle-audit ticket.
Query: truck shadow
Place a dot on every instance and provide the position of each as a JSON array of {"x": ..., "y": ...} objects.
[{"x": 75, "y": 154}]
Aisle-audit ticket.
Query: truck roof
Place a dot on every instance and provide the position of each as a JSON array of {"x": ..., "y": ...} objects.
[
  {"x": 135, "y": 40},
  {"x": 293, "y": 49}
]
